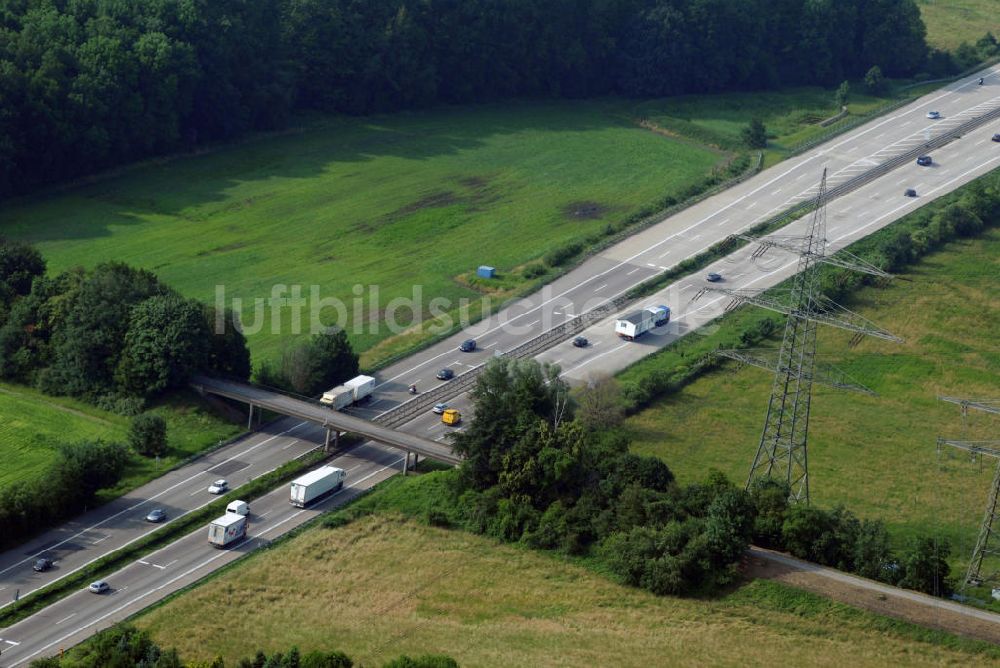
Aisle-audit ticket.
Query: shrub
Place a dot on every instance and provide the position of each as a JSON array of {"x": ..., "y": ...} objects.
[{"x": 148, "y": 435}]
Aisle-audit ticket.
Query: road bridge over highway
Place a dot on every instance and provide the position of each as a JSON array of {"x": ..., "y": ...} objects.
[{"x": 333, "y": 421}]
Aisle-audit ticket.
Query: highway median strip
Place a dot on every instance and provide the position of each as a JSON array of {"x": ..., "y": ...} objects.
[{"x": 184, "y": 525}]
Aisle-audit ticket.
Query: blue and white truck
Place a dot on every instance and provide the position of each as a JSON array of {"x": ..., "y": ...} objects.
[{"x": 634, "y": 325}]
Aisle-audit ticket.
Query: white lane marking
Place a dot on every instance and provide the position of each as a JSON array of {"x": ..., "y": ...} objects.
[
  {"x": 11, "y": 642},
  {"x": 66, "y": 618},
  {"x": 633, "y": 271},
  {"x": 719, "y": 224},
  {"x": 599, "y": 287},
  {"x": 100, "y": 540}
]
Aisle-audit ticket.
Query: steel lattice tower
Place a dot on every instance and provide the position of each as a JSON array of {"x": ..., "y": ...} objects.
[
  {"x": 782, "y": 451},
  {"x": 988, "y": 541}
]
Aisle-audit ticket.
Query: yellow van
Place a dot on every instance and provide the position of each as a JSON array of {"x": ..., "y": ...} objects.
[{"x": 451, "y": 416}]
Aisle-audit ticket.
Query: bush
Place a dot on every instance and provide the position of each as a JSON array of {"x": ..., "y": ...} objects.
[
  {"x": 560, "y": 256},
  {"x": 148, "y": 435},
  {"x": 755, "y": 134},
  {"x": 534, "y": 270}
]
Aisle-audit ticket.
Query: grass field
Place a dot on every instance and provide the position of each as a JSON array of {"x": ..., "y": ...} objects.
[
  {"x": 951, "y": 22},
  {"x": 415, "y": 198},
  {"x": 382, "y": 586},
  {"x": 875, "y": 455},
  {"x": 33, "y": 424}
]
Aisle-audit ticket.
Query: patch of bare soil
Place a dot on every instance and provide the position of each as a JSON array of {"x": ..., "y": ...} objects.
[{"x": 584, "y": 210}]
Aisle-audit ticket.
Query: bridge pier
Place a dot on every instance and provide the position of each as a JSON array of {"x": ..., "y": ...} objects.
[
  {"x": 250, "y": 418},
  {"x": 406, "y": 462}
]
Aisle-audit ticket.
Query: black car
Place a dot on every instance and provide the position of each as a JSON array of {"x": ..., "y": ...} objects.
[
  {"x": 42, "y": 564},
  {"x": 924, "y": 160},
  {"x": 713, "y": 277},
  {"x": 910, "y": 192},
  {"x": 468, "y": 346},
  {"x": 580, "y": 342},
  {"x": 996, "y": 137},
  {"x": 445, "y": 374}
]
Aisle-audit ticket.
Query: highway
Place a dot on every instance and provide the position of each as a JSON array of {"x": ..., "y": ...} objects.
[
  {"x": 603, "y": 276},
  {"x": 616, "y": 270}
]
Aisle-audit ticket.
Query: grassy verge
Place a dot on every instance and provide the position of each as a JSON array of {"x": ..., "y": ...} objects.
[
  {"x": 158, "y": 539},
  {"x": 385, "y": 584},
  {"x": 33, "y": 424}
]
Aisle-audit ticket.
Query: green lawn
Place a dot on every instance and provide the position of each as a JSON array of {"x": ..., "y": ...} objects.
[
  {"x": 414, "y": 198},
  {"x": 951, "y": 22},
  {"x": 876, "y": 455},
  {"x": 32, "y": 425}
]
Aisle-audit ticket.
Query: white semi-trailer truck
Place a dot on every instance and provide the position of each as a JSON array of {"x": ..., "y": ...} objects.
[
  {"x": 228, "y": 529},
  {"x": 636, "y": 324},
  {"x": 315, "y": 484}
]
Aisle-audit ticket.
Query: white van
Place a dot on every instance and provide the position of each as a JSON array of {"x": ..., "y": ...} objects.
[{"x": 238, "y": 508}]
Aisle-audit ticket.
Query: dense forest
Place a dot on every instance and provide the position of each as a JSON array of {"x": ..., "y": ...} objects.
[{"x": 87, "y": 84}]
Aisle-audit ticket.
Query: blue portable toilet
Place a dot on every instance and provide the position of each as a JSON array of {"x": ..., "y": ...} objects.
[{"x": 485, "y": 272}]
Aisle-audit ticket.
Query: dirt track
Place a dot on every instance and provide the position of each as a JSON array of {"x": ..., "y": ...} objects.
[{"x": 875, "y": 596}]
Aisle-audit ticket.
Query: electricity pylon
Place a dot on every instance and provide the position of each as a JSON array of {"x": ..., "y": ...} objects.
[
  {"x": 986, "y": 542},
  {"x": 781, "y": 453}
]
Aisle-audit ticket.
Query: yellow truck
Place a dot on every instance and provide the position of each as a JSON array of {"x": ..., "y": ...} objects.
[{"x": 451, "y": 416}]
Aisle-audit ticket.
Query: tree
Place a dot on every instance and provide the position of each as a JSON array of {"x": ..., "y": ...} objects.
[
  {"x": 755, "y": 134},
  {"x": 20, "y": 264},
  {"x": 843, "y": 92},
  {"x": 228, "y": 354},
  {"x": 510, "y": 397},
  {"x": 148, "y": 435},
  {"x": 875, "y": 82},
  {"x": 872, "y": 554},
  {"x": 83, "y": 468},
  {"x": 167, "y": 341},
  {"x": 332, "y": 360},
  {"x": 599, "y": 404},
  {"x": 925, "y": 567}
]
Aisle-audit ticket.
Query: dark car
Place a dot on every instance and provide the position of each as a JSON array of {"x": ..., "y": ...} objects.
[
  {"x": 580, "y": 342},
  {"x": 996, "y": 137},
  {"x": 42, "y": 564},
  {"x": 924, "y": 160},
  {"x": 713, "y": 277},
  {"x": 468, "y": 346},
  {"x": 445, "y": 374},
  {"x": 910, "y": 192},
  {"x": 157, "y": 515}
]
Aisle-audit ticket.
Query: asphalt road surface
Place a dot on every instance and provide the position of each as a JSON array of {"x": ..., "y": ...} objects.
[{"x": 604, "y": 276}]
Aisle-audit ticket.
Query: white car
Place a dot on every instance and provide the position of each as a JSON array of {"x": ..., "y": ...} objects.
[
  {"x": 934, "y": 114},
  {"x": 218, "y": 487},
  {"x": 99, "y": 587},
  {"x": 440, "y": 408}
]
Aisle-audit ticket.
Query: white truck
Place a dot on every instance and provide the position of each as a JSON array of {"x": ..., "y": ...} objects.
[
  {"x": 227, "y": 529},
  {"x": 636, "y": 324},
  {"x": 311, "y": 486},
  {"x": 353, "y": 391}
]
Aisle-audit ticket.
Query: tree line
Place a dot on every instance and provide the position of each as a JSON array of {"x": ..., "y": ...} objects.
[
  {"x": 125, "y": 646},
  {"x": 553, "y": 471},
  {"x": 87, "y": 85},
  {"x": 113, "y": 335}
]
